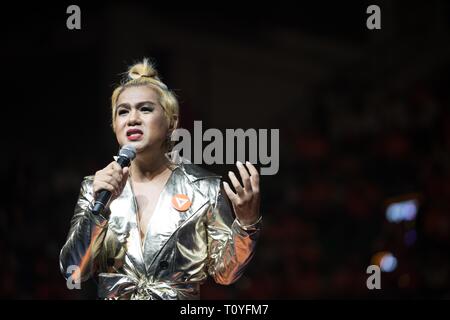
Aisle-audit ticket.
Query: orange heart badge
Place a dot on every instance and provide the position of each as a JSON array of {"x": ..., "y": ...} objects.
[{"x": 181, "y": 202}]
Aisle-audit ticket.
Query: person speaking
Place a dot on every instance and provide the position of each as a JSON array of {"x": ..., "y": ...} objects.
[{"x": 156, "y": 226}]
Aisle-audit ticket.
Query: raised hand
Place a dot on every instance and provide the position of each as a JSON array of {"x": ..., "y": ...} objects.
[
  {"x": 112, "y": 178},
  {"x": 246, "y": 200}
]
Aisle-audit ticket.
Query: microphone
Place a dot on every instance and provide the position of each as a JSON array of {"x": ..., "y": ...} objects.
[{"x": 126, "y": 154}]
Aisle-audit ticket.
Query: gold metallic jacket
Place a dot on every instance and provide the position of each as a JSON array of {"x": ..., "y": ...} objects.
[{"x": 179, "y": 250}]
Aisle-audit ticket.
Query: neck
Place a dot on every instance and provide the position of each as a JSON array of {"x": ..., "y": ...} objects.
[{"x": 145, "y": 167}]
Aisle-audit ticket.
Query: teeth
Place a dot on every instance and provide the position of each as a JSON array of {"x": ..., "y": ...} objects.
[{"x": 133, "y": 132}]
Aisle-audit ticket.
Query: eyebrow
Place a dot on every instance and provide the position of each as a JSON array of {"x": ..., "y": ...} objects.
[{"x": 138, "y": 105}]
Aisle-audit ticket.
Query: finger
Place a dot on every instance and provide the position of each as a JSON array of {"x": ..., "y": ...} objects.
[
  {"x": 102, "y": 185},
  {"x": 125, "y": 173},
  {"x": 111, "y": 172},
  {"x": 113, "y": 181},
  {"x": 236, "y": 184},
  {"x": 244, "y": 176},
  {"x": 109, "y": 186},
  {"x": 116, "y": 166},
  {"x": 254, "y": 178},
  {"x": 114, "y": 191},
  {"x": 111, "y": 165},
  {"x": 231, "y": 195},
  {"x": 116, "y": 176},
  {"x": 251, "y": 168},
  {"x": 106, "y": 179}
]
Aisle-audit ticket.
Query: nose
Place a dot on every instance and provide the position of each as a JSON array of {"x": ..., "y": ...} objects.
[{"x": 133, "y": 117}]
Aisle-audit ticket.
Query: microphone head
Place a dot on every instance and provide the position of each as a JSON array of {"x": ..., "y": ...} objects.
[{"x": 128, "y": 151}]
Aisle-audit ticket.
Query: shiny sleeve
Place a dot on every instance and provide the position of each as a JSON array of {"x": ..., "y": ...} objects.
[
  {"x": 85, "y": 237},
  {"x": 230, "y": 246}
]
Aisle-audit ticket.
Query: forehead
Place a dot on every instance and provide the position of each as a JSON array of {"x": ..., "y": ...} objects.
[{"x": 136, "y": 94}]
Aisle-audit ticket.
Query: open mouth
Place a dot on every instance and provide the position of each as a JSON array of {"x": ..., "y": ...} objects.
[{"x": 134, "y": 134}]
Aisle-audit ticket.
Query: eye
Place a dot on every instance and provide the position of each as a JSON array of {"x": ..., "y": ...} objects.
[
  {"x": 146, "y": 109},
  {"x": 122, "y": 112}
]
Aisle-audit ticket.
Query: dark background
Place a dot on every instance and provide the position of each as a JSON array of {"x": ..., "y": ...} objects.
[{"x": 363, "y": 118}]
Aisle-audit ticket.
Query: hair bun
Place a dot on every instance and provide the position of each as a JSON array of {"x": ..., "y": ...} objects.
[{"x": 143, "y": 69}]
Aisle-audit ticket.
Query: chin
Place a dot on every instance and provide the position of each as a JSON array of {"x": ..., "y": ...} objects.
[{"x": 137, "y": 144}]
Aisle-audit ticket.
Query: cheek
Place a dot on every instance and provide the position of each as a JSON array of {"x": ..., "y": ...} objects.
[
  {"x": 120, "y": 122},
  {"x": 159, "y": 122},
  {"x": 118, "y": 128}
]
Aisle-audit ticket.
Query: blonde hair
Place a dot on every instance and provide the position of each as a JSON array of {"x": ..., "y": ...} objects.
[{"x": 145, "y": 74}]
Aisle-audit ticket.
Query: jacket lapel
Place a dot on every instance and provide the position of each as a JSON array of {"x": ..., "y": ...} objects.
[
  {"x": 166, "y": 219},
  {"x": 123, "y": 222}
]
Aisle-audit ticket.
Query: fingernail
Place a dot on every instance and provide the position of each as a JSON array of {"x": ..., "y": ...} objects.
[
  {"x": 247, "y": 162},
  {"x": 238, "y": 163}
]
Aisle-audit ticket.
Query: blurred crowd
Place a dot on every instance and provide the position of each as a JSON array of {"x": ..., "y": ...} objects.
[{"x": 347, "y": 155}]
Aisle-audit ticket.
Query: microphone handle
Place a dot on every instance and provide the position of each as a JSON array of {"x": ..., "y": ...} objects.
[{"x": 104, "y": 196}]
